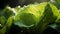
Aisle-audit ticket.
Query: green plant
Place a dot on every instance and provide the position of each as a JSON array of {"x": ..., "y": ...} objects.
[
  {"x": 35, "y": 17},
  {"x": 56, "y": 3},
  {"x": 5, "y": 19}
]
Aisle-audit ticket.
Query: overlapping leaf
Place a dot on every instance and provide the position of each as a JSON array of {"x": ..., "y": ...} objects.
[
  {"x": 30, "y": 15},
  {"x": 4, "y": 16}
]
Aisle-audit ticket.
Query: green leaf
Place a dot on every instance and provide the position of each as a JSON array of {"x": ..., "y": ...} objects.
[
  {"x": 58, "y": 23},
  {"x": 2, "y": 21},
  {"x": 56, "y": 17},
  {"x": 30, "y": 15},
  {"x": 54, "y": 10},
  {"x": 3, "y": 30},
  {"x": 17, "y": 9},
  {"x": 56, "y": 3},
  {"x": 49, "y": 16},
  {"x": 5, "y": 19},
  {"x": 9, "y": 22},
  {"x": 7, "y": 12}
]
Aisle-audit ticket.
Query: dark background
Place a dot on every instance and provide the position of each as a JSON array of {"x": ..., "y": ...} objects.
[{"x": 14, "y": 3}]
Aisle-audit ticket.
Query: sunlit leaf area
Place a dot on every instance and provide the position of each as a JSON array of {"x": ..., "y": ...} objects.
[{"x": 30, "y": 17}]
